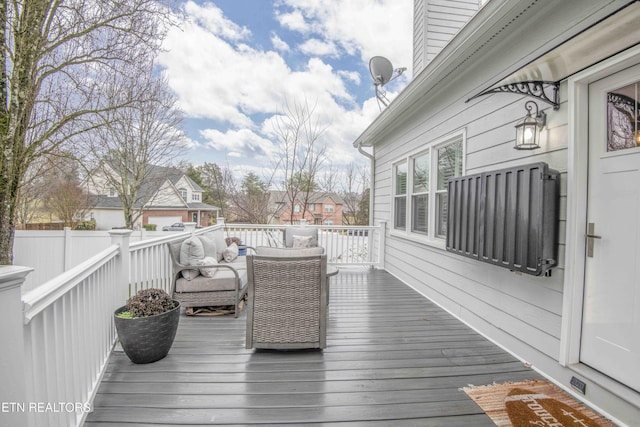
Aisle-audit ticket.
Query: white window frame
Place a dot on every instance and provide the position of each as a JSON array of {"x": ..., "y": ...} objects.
[{"x": 431, "y": 148}]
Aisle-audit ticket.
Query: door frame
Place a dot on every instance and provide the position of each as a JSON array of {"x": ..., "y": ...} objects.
[{"x": 577, "y": 178}]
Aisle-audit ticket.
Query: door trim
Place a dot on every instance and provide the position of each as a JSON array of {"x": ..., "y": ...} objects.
[{"x": 577, "y": 174}]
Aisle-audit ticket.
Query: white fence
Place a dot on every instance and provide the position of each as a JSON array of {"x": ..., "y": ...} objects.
[
  {"x": 58, "y": 336},
  {"x": 51, "y": 253}
]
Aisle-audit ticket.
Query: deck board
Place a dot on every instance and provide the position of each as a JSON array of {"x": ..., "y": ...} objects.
[{"x": 392, "y": 358}]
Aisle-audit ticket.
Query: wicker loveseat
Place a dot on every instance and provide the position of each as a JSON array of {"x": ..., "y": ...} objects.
[
  {"x": 207, "y": 279},
  {"x": 287, "y": 298}
]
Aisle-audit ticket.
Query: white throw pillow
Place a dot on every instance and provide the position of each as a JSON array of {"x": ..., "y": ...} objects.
[
  {"x": 191, "y": 253},
  {"x": 230, "y": 253},
  {"x": 302, "y": 241},
  {"x": 209, "y": 246},
  {"x": 208, "y": 271}
]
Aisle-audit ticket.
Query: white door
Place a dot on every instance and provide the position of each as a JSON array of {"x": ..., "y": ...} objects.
[{"x": 611, "y": 314}]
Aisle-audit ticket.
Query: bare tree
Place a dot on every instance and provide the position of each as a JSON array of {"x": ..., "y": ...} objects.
[
  {"x": 64, "y": 197},
  {"x": 301, "y": 153},
  {"x": 249, "y": 199},
  {"x": 56, "y": 54},
  {"x": 353, "y": 185},
  {"x": 136, "y": 141}
]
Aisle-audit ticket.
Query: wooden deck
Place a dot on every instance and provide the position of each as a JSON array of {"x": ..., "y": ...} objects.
[{"x": 393, "y": 359}]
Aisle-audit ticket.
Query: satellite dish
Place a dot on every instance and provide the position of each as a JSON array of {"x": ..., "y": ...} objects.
[{"x": 382, "y": 72}]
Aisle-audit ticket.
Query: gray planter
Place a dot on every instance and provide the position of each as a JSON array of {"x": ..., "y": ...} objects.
[{"x": 147, "y": 339}]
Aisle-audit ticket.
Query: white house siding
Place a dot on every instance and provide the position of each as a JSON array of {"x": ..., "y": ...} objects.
[
  {"x": 528, "y": 308},
  {"x": 520, "y": 312},
  {"x": 166, "y": 196},
  {"x": 106, "y": 219},
  {"x": 435, "y": 22}
]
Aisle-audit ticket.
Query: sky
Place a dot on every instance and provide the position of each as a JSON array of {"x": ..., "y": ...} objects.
[{"x": 233, "y": 65}]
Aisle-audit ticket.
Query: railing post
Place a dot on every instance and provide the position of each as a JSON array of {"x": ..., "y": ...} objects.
[
  {"x": 190, "y": 227},
  {"x": 121, "y": 238},
  {"x": 13, "y": 387},
  {"x": 220, "y": 220},
  {"x": 382, "y": 243}
]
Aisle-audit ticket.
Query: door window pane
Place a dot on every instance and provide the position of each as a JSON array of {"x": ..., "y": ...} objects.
[{"x": 622, "y": 118}]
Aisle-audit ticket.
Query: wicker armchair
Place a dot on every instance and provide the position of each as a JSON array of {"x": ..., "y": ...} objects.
[
  {"x": 228, "y": 287},
  {"x": 287, "y": 301}
]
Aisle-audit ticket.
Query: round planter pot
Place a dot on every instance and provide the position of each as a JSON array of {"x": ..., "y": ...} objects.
[{"x": 147, "y": 339}]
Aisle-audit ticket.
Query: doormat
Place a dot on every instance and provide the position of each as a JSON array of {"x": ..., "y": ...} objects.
[{"x": 533, "y": 403}]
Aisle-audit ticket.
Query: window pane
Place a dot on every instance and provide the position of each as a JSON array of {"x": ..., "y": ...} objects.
[
  {"x": 449, "y": 166},
  {"x": 401, "y": 179},
  {"x": 400, "y": 213},
  {"x": 449, "y": 163},
  {"x": 420, "y": 213},
  {"x": 441, "y": 220},
  {"x": 622, "y": 118},
  {"x": 421, "y": 174}
]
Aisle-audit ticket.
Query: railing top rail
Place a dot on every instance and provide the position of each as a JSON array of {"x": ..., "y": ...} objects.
[
  {"x": 38, "y": 299},
  {"x": 346, "y": 227},
  {"x": 168, "y": 238}
]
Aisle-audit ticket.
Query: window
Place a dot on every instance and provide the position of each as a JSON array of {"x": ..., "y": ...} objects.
[
  {"x": 400, "y": 197},
  {"x": 297, "y": 208},
  {"x": 183, "y": 193},
  {"x": 420, "y": 187},
  {"x": 112, "y": 192},
  {"x": 328, "y": 208},
  {"x": 195, "y": 197},
  {"x": 449, "y": 166},
  {"x": 420, "y": 194}
]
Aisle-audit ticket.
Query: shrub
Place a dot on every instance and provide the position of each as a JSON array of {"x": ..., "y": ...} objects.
[
  {"x": 150, "y": 227},
  {"x": 149, "y": 302},
  {"x": 86, "y": 225}
]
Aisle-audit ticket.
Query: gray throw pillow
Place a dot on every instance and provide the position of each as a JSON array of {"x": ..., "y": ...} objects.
[
  {"x": 191, "y": 253},
  {"x": 209, "y": 245}
]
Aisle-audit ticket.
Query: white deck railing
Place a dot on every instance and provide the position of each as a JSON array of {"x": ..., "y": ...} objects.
[
  {"x": 58, "y": 337},
  {"x": 344, "y": 245}
]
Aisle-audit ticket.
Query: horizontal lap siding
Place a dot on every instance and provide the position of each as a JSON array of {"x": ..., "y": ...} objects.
[{"x": 528, "y": 309}]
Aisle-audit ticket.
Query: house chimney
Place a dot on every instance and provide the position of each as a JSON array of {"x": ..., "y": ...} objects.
[{"x": 435, "y": 22}]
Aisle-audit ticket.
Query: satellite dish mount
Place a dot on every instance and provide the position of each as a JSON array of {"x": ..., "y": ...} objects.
[{"x": 382, "y": 72}]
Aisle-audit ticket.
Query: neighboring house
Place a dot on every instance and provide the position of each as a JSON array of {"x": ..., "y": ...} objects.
[
  {"x": 582, "y": 322},
  {"x": 322, "y": 208},
  {"x": 168, "y": 196}
]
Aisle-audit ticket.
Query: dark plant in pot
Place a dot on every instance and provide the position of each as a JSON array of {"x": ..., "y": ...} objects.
[{"x": 147, "y": 325}]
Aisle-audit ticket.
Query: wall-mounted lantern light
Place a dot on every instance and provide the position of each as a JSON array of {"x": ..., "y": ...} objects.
[{"x": 528, "y": 131}]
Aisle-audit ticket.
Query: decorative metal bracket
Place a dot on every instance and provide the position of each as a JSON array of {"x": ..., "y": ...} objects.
[{"x": 536, "y": 89}]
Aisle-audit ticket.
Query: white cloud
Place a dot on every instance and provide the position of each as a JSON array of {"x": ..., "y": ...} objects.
[
  {"x": 279, "y": 44},
  {"x": 367, "y": 27},
  {"x": 293, "y": 21},
  {"x": 315, "y": 47},
  {"x": 219, "y": 75},
  {"x": 239, "y": 143},
  {"x": 212, "y": 19}
]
